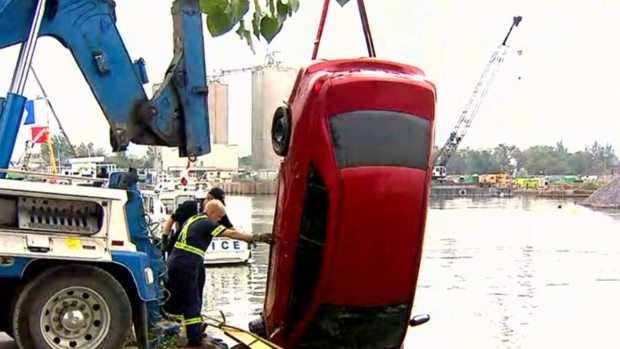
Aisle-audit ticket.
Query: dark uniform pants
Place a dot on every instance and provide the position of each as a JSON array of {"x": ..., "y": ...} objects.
[
  {"x": 183, "y": 304},
  {"x": 202, "y": 278}
]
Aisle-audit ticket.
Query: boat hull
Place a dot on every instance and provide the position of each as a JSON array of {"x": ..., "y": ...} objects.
[{"x": 227, "y": 251}]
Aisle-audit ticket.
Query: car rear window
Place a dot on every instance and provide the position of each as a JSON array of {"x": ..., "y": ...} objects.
[{"x": 380, "y": 138}]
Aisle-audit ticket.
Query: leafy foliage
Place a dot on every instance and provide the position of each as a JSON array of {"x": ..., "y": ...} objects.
[
  {"x": 125, "y": 161},
  {"x": 62, "y": 151},
  {"x": 541, "y": 159},
  {"x": 245, "y": 161},
  {"x": 266, "y": 20}
]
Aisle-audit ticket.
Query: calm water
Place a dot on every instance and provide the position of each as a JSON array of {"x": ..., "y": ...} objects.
[{"x": 498, "y": 273}]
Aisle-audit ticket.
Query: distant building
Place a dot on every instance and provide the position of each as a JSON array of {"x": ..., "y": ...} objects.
[
  {"x": 218, "y": 113},
  {"x": 271, "y": 87},
  {"x": 223, "y": 158},
  {"x": 87, "y": 167}
]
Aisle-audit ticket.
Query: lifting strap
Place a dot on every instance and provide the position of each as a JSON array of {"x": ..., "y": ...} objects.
[
  {"x": 240, "y": 336},
  {"x": 370, "y": 45},
  {"x": 250, "y": 340}
]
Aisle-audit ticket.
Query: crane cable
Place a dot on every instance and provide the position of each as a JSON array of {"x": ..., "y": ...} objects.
[{"x": 365, "y": 27}]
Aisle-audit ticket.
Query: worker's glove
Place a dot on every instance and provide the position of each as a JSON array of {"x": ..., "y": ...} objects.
[
  {"x": 264, "y": 238},
  {"x": 165, "y": 241}
]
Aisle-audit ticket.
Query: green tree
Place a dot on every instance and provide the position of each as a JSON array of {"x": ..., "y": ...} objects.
[
  {"x": 62, "y": 149},
  {"x": 506, "y": 157},
  {"x": 124, "y": 161},
  {"x": 149, "y": 158},
  {"x": 266, "y": 20},
  {"x": 84, "y": 150},
  {"x": 603, "y": 156},
  {"x": 245, "y": 161},
  {"x": 596, "y": 159},
  {"x": 580, "y": 163}
]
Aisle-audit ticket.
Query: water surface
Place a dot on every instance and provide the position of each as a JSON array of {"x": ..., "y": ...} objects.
[{"x": 496, "y": 273}]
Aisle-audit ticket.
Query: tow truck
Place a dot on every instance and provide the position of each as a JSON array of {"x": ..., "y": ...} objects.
[{"x": 78, "y": 266}]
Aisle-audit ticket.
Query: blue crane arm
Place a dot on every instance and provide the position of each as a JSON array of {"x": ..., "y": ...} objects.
[{"x": 176, "y": 116}]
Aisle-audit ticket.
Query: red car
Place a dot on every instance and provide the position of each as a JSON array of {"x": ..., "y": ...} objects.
[{"x": 356, "y": 137}]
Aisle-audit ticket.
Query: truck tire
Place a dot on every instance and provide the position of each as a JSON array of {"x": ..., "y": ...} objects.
[
  {"x": 72, "y": 306},
  {"x": 8, "y": 312}
]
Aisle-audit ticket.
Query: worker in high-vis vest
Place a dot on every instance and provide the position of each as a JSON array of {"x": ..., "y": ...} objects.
[{"x": 186, "y": 261}]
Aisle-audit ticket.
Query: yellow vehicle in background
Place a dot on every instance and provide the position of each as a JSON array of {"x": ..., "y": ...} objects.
[{"x": 494, "y": 180}]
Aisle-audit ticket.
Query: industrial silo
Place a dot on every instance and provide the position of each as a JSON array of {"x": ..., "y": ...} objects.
[
  {"x": 271, "y": 87},
  {"x": 218, "y": 112}
]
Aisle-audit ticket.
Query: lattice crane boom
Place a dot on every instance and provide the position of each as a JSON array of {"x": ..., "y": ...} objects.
[
  {"x": 445, "y": 153},
  {"x": 218, "y": 74},
  {"x": 270, "y": 61}
]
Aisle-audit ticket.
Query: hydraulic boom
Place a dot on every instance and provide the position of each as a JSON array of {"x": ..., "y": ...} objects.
[
  {"x": 176, "y": 116},
  {"x": 445, "y": 153}
]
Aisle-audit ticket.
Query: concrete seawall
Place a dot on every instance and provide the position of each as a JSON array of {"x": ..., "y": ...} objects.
[
  {"x": 559, "y": 193},
  {"x": 248, "y": 188},
  {"x": 269, "y": 188}
]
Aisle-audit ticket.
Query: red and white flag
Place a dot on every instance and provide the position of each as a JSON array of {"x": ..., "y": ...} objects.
[
  {"x": 185, "y": 174},
  {"x": 40, "y": 134}
]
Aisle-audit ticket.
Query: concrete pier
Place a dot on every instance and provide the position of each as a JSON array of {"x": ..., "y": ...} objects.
[
  {"x": 470, "y": 191},
  {"x": 248, "y": 188}
]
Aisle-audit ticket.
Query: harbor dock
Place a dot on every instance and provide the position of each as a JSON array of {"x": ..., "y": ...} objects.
[
  {"x": 451, "y": 191},
  {"x": 468, "y": 191},
  {"x": 249, "y": 188}
]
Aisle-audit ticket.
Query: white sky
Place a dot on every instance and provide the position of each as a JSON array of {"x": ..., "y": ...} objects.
[{"x": 569, "y": 68}]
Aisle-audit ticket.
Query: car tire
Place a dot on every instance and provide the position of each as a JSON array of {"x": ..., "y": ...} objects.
[
  {"x": 281, "y": 131},
  {"x": 257, "y": 327}
]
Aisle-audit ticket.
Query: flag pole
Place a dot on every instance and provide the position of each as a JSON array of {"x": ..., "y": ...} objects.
[
  {"x": 51, "y": 107},
  {"x": 51, "y": 149}
]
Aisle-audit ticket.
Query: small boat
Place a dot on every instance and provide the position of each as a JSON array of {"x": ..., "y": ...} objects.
[
  {"x": 160, "y": 204},
  {"x": 224, "y": 250}
]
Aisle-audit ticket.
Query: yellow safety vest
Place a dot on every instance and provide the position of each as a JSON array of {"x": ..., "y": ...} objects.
[{"x": 181, "y": 243}]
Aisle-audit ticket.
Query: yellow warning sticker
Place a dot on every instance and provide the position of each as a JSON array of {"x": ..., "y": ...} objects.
[{"x": 74, "y": 244}]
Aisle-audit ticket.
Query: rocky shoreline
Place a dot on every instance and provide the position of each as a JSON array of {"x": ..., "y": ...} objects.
[{"x": 607, "y": 196}]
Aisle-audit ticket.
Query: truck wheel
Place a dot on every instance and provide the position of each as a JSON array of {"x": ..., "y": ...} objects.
[
  {"x": 72, "y": 306},
  {"x": 9, "y": 315}
]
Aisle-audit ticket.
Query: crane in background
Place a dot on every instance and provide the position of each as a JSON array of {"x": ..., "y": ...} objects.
[
  {"x": 24, "y": 160},
  {"x": 270, "y": 61},
  {"x": 445, "y": 153}
]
